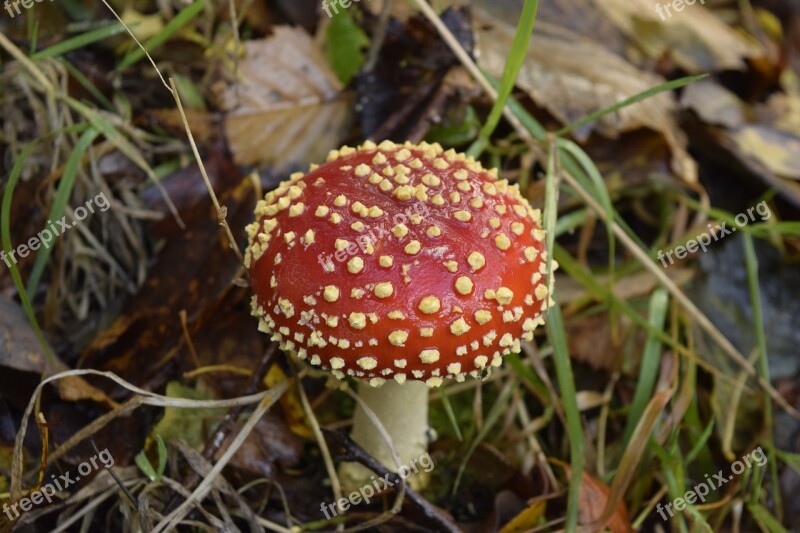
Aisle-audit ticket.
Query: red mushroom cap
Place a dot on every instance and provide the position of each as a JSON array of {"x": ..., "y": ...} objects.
[{"x": 398, "y": 261}]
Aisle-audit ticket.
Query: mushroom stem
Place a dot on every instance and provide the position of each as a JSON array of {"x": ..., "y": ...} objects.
[{"x": 403, "y": 412}]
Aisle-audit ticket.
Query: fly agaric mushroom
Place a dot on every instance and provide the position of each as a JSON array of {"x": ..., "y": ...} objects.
[{"x": 401, "y": 266}]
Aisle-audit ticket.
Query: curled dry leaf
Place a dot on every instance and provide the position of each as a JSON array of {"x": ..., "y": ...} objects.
[
  {"x": 20, "y": 350},
  {"x": 283, "y": 105},
  {"x": 573, "y": 77},
  {"x": 594, "y": 495},
  {"x": 695, "y": 39}
]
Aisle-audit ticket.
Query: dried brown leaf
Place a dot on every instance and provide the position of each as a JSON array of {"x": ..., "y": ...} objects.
[
  {"x": 284, "y": 105},
  {"x": 695, "y": 39},
  {"x": 573, "y": 77}
]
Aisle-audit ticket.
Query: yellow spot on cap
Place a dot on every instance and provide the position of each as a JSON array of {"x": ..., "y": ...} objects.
[
  {"x": 452, "y": 266},
  {"x": 367, "y": 363},
  {"x": 459, "y": 327},
  {"x": 400, "y": 231},
  {"x": 504, "y": 295},
  {"x": 431, "y": 180},
  {"x": 540, "y": 292},
  {"x": 358, "y": 320},
  {"x": 331, "y": 293},
  {"x": 362, "y": 170},
  {"x": 430, "y": 304},
  {"x": 412, "y": 248},
  {"x": 476, "y": 261},
  {"x": 464, "y": 285},
  {"x": 426, "y": 332},
  {"x": 463, "y": 216},
  {"x": 340, "y": 201},
  {"x": 502, "y": 241},
  {"x": 398, "y": 337},
  {"x": 386, "y": 261},
  {"x": 454, "y": 368},
  {"x": 384, "y": 289},
  {"x": 322, "y": 211},
  {"x": 429, "y": 356},
  {"x": 355, "y": 265},
  {"x": 433, "y": 231},
  {"x": 483, "y": 316}
]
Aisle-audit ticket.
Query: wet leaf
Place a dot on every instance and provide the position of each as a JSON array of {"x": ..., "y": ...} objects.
[
  {"x": 283, "y": 105},
  {"x": 776, "y": 150},
  {"x": 573, "y": 77},
  {"x": 344, "y": 45},
  {"x": 714, "y": 104},
  {"x": 696, "y": 39},
  {"x": 594, "y": 495}
]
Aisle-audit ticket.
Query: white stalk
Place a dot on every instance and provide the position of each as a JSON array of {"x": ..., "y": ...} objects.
[{"x": 403, "y": 412}]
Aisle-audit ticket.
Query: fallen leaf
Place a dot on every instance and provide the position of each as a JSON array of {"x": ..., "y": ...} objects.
[
  {"x": 19, "y": 347},
  {"x": 284, "y": 105},
  {"x": 714, "y": 104},
  {"x": 21, "y": 350},
  {"x": 593, "y": 497},
  {"x": 776, "y": 150},
  {"x": 694, "y": 38},
  {"x": 572, "y": 77},
  {"x": 527, "y": 519}
]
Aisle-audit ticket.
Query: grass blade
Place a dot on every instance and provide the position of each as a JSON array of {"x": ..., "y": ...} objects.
[
  {"x": 514, "y": 61},
  {"x": 751, "y": 261},
  {"x": 5, "y": 235},
  {"x": 180, "y": 20},
  {"x": 80, "y": 41},
  {"x": 650, "y": 362},
  {"x": 668, "y": 86},
  {"x": 558, "y": 338},
  {"x": 62, "y": 198}
]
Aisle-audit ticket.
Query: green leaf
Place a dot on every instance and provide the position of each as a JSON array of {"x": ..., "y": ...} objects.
[
  {"x": 180, "y": 20},
  {"x": 191, "y": 425},
  {"x": 344, "y": 45},
  {"x": 144, "y": 465},
  {"x": 81, "y": 41}
]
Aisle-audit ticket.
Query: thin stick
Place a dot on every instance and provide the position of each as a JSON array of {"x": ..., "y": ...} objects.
[
  {"x": 222, "y": 213},
  {"x": 170, "y": 522}
]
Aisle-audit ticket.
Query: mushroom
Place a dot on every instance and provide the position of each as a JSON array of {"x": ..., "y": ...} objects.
[{"x": 400, "y": 266}]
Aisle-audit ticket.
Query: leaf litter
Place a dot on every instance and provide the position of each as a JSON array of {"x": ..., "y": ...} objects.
[{"x": 158, "y": 299}]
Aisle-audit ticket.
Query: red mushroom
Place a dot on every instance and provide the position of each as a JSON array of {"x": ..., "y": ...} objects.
[{"x": 391, "y": 263}]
